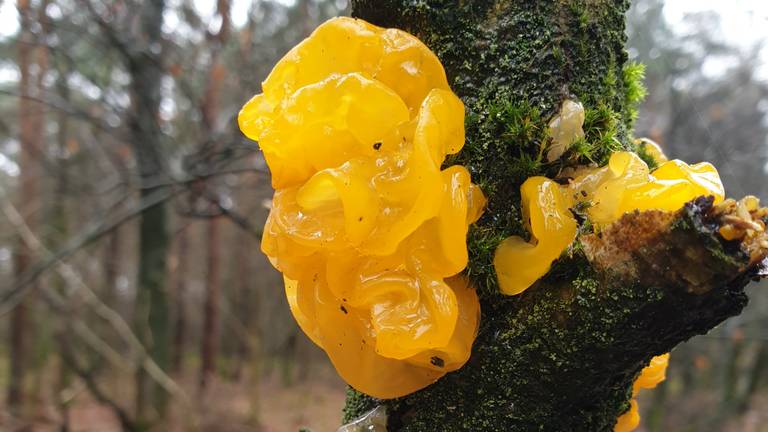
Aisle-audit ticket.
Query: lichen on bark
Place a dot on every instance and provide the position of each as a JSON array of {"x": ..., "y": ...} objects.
[{"x": 563, "y": 355}]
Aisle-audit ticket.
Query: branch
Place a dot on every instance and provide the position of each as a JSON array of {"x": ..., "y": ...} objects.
[
  {"x": 70, "y": 110},
  {"x": 76, "y": 285},
  {"x": 87, "y": 376},
  {"x": 24, "y": 282},
  {"x": 115, "y": 37}
]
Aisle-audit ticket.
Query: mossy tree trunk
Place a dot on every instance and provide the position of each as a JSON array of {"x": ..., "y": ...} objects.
[{"x": 563, "y": 355}]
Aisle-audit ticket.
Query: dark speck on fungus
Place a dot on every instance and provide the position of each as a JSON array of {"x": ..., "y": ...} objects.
[{"x": 437, "y": 361}]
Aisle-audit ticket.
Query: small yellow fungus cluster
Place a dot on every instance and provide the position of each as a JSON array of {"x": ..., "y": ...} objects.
[
  {"x": 624, "y": 185},
  {"x": 368, "y": 231},
  {"x": 649, "y": 378},
  {"x": 565, "y": 128},
  {"x": 743, "y": 218},
  {"x": 545, "y": 210}
]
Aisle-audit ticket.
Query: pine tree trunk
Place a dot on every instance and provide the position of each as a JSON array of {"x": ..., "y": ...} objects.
[
  {"x": 30, "y": 138},
  {"x": 210, "y": 111},
  {"x": 59, "y": 222},
  {"x": 180, "y": 321},
  {"x": 111, "y": 266},
  {"x": 562, "y": 356},
  {"x": 151, "y": 309},
  {"x": 210, "y": 336}
]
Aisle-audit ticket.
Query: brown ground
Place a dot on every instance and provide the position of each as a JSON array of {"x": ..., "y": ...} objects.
[{"x": 315, "y": 404}]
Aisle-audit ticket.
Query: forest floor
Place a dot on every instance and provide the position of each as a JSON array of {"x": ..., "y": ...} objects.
[
  {"x": 314, "y": 399},
  {"x": 314, "y": 403}
]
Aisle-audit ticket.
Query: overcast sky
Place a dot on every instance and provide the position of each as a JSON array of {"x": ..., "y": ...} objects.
[{"x": 744, "y": 21}]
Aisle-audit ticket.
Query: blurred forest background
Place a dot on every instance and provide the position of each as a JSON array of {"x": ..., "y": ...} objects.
[{"x": 132, "y": 290}]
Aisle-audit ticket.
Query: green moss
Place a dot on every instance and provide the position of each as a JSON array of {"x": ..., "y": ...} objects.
[
  {"x": 646, "y": 157},
  {"x": 472, "y": 399},
  {"x": 633, "y": 75},
  {"x": 602, "y": 134},
  {"x": 356, "y": 404}
]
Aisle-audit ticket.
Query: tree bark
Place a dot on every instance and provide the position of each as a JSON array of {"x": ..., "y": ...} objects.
[
  {"x": 59, "y": 222},
  {"x": 562, "y": 355},
  {"x": 111, "y": 266},
  {"x": 32, "y": 61},
  {"x": 180, "y": 322},
  {"x": 151, "y": 308},
  {"x": 244, "y": 306},
  {"x": 210, "y": 112},
  {"x": 210, "y": 336}
]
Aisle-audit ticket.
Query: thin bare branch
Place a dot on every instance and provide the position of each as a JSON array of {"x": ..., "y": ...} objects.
[{"x": 76, "y": 285}]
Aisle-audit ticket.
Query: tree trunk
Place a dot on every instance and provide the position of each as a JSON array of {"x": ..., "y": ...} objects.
[
  {"x": 209, "y": 346},
  {"x": 59, "y": 222},
  {"x": 210, "y": 111},
  {"x": 180, "y": 322},
  {"x": 244, "y": 307},
  {"x": 111, "y": 266},
  {"x": 30, "y": 140},
  {"x": 151, "y": 309},
  {"x": 562, "y": 356}
]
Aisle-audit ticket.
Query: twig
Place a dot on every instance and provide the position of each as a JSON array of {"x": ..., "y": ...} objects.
[
  {"x": 76, "y": 285},
  {"x": 23, "y": 284},
  {"x": 90, "y": 382}
]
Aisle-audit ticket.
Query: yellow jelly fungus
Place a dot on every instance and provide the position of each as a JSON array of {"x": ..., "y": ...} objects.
[
  {"x": 744, "y": 218},
  {"x": 652, "y": 374},
  {"x": 355, "y": 123},
  {"x": 552, "y": 227},
  {"x": 565, "y": 129},
  {"x": 630, "y": 420},
  {"x": 649, "y": 378},
  {"x": 624, "y": 185}
]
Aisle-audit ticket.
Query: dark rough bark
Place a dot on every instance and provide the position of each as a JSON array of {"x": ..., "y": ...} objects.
[{"x": 563, "y": 355}]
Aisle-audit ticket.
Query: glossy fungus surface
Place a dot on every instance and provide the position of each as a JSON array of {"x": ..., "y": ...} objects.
[
  {"x": 649, "y": 378},
  {"x": 369, "y": 232},
  {"x": 624, "y": 185},
  {"x": 565, "y": 128}
]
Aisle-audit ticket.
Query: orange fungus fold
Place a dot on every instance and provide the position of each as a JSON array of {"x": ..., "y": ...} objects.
[{"x": 369, "y": 232}]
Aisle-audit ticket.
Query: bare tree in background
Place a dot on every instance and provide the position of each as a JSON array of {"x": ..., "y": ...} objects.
[
  {"x": 210, "y": 114},
  {"x": 32, "y": 61}
]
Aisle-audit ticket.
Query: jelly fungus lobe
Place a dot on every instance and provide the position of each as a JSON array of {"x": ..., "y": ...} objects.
[
  {"x": 649, "y": 378},
  {"x": 624, "y": 185},
  {"x": 565, "y": 128},
  {"x": 369, "y": 232}
]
